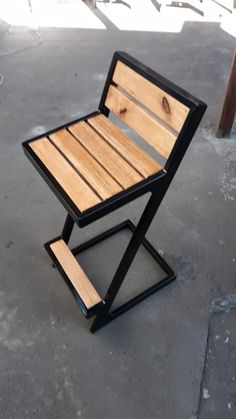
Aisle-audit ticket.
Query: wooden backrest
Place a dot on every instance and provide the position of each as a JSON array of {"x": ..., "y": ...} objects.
[{"x": 142, "y": 99}]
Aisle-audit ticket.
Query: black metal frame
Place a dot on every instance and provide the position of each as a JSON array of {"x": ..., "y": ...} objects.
[
  {"x": 104, "y": 315},
  {"x": 157, "y": 185}
]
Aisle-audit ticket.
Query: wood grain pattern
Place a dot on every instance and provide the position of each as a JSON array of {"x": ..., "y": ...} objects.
[
  {"x": 155, "y": 99},
  {"x": 128, "y": 149},
  {"x": 157, "y": 135},
  {"x": 75, "y": 273},
  {"x": 74, "y": 186},
  {"x": 89, "y": 168},
  {"x": 124, "y": 174}
]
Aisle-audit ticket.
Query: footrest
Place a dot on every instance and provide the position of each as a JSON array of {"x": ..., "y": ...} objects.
[{"x": 84, "y": 292}]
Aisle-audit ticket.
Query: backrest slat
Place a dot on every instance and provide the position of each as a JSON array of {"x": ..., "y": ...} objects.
[
  {"x": 163, "y": 105},
  {"x": 157, "y": 135}
]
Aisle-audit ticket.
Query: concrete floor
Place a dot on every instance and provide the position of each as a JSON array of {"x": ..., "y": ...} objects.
[
  {"x": 218, "y": 386},
  {"x": 149, "y": 362}
]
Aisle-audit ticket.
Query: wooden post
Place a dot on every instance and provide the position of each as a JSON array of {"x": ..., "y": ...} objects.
[{"x": 229, "y": 107}]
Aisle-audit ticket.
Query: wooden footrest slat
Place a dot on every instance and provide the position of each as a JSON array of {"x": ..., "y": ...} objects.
[{"x": 78, "y": 282}]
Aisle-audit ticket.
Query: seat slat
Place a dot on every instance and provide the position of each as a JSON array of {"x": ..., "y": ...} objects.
[
  {"x": 74, "y": 186},
  {"x": 75, "y": 273},
  {"x": 165, "y": 106},
  {"x": 89, "y": 168},
  {"x": 157, "y": 135},
  {"x": 122, "y": 172},
  {"x": 129, "y": 150}
]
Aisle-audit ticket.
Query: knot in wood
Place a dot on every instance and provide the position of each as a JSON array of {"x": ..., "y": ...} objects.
[
  {"x": 165, "y": 105},
  {"x": 123, "y": 111}
]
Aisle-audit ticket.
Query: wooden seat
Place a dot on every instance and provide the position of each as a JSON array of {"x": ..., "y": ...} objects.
[
  {"x": 93, "y": 160},
  {"x": 97, "y": 164}
]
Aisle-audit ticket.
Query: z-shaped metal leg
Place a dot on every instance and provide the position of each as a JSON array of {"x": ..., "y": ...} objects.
[{"x": 104, "y": 316}]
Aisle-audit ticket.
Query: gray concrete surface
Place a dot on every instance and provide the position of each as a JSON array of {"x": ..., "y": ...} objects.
[
  {"x": 219, "y": 379},
  {"x": 149, "y": 362}
]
